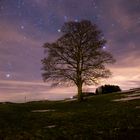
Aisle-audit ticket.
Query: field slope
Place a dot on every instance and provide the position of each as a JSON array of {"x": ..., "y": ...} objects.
[{"x": 97, "y": 118}]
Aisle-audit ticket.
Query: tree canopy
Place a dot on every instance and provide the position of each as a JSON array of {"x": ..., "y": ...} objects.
[{"x": 77, "y": 57}]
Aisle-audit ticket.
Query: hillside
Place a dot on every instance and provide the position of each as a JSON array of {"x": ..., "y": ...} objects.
[{"x": 102, "y": 117}]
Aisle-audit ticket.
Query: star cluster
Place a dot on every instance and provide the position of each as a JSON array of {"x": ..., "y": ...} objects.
[{"x": 25, "y": 25}]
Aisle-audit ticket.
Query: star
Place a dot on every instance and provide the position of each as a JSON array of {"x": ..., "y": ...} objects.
[
  {"x": 65, "y": 18},
  {"x": 76, "y": 20},
  {"x": 22, "y": 27},
  {"x": 8, "y": 75},
  {"x": 112, "y": 24},
  {"x": 24, "y": 37},
  {"x": 104, "y": 47},
  {"x": 59, "y": 30}
]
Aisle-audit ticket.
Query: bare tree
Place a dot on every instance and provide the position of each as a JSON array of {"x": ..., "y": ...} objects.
[{"x": 77, "y": 57}]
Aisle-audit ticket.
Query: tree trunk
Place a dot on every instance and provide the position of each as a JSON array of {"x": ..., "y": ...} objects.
[{"x": 80, "y": 95}]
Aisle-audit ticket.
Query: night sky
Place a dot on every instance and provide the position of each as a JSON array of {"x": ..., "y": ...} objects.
[{"x": 25, "y": 25}]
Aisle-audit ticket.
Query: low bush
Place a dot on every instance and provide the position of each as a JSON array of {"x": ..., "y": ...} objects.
[{"x": 107, "y": 89}]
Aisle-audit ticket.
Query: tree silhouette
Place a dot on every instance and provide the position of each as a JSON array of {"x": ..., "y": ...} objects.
[{"x": 77, "y": 57}]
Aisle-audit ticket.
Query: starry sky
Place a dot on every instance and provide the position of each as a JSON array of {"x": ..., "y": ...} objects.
[{"x": 25, "y": 25}]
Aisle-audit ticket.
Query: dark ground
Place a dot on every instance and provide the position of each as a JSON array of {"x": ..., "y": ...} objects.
[{"x": 97, "y": 118}]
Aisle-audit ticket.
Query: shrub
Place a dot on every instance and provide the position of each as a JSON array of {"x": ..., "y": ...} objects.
[{"x": 107, "y": 89}]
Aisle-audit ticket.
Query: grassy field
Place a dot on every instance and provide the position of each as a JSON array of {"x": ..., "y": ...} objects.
[{"x": 97, "y": 118}]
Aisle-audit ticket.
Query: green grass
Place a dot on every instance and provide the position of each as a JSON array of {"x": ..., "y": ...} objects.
[{"x": 98, "y": 118}]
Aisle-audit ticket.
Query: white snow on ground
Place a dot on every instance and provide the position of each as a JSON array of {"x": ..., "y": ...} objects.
[
  {"x": 135, "y": 94},
  {"x": 132, "y": 95},
  {"x": 137, "y": 107},
  {"x": 128, "y": 98},
  {"x": 48, "y": 110},
  {"x": 50, "y": 126}
]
